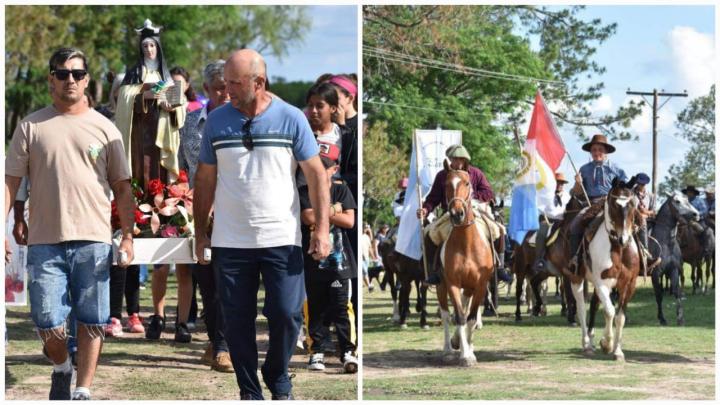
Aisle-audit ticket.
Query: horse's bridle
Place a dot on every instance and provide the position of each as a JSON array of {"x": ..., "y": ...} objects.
[
  {"x": 465, "y": 202},
  {"x": 612, "y": 234}
]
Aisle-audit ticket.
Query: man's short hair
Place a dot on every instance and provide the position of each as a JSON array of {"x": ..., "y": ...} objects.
[
  {"x": 213, "y": 70},
  {"x": 63, "y": 55}
]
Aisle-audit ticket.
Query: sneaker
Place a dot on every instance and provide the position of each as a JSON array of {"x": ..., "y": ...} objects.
[
  {"x": 222, "y": 363},
  {"x": 81, "y": 396},
  {"x": 60, "y": 385},
  {"x": 182, "y": 334},
  {"x": 207, "y": 357},
  {"x": 157, "y": 325},
  {"x": 114, "y": 328},
  {"x": 350, "y": 363},
  {"x": 134, "y": 324},
  {"x": 283, "y": 397},
  {"x": 316, "y": 362}
]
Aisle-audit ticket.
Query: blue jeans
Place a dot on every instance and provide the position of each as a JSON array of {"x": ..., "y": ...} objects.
[
  {"x": 237, "y": 276},
  {"x": 69, "y": 276}
]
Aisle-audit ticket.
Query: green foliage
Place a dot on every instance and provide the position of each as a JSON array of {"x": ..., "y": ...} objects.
[
  {"x": 292, "y": 92},
  {"x": 383, "y": 166},
  {"x": 486, "y": 109},
  {"x": 696, "y": 124},
  {"x": 192, "y": 37}
]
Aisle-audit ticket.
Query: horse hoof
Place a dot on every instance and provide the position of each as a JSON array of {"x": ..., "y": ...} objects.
[
  {"x": 518, "y": 319},
  {"x": 605, "y": 346},
  {"x": 467, "y": 361},
  {"x": 681, "y": 322},
  {"x": 588, "y": 351},
  {"x": 396, "y": 321},
  {"x": 663, "y": 322},
  {"x": 448, "y": 358},
  {"x": 403, "y": 326},
  {"x": 425, "y": 327},
  {"x": 619, "y": 358}
]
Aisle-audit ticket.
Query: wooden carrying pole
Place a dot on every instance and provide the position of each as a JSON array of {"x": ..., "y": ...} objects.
[{"x": 418, "y": 189}]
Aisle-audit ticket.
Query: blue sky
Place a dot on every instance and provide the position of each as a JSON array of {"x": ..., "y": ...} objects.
[
  {"x": 663, "y": 47},
  {"x": 330, "y": 46}
]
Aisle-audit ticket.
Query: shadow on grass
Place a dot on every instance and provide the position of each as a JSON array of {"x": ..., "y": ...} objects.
[
  {"x": 417, "y": 358},
  {"x": 633, "y": 356}
]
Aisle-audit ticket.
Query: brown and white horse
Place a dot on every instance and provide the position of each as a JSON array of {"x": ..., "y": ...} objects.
[
  {"x": 467, "y": 261},
  {"x": 614, "y": 262}
]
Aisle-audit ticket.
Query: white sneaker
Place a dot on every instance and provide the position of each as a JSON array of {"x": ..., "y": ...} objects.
[
  {"x": 350, "y": 363},
  {"x": 316, "y": 362}
]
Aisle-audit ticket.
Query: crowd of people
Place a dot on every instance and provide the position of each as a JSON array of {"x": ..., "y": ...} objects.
[{"x": 275, "y": 191}]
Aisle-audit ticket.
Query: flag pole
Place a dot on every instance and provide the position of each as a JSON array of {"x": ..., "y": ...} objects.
[
  {"x": 420, "y": 202},
  {"x": 577, "y": 174}
]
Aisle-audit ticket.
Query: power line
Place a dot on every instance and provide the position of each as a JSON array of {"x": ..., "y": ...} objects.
[
  {"x": 443, "y": 65},
  {"x": 416, "y": 107}
]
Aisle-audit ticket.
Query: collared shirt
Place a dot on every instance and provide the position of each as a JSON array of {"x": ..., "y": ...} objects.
[
  {"x": 597, "y": 177},
  {"x": 557, "y": 210},
  {"x": 711, "y": 205},
  {"x": 645, "y": 199},
  {"x": 699, "y": 204},
  {"x": 481, "y": 189},
  {"x": 190, "y": 140}
]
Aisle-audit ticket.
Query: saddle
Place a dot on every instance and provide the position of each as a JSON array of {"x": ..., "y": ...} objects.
[
  {"x": 552, "y": 235},
  {"x": 593, "y": 227}
]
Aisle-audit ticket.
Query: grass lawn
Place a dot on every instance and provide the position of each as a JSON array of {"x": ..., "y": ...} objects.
[
  {"x": 541, "y": 358},
  {"x": 133, "y": 368}
]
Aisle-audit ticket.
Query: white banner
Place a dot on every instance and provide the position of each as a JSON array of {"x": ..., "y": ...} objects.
[
  {"x": 15, "y": 271},
  {"x": 432, "y": 146}
]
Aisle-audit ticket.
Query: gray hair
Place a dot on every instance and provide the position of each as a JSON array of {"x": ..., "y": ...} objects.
[{"x": 213, "y": 70}]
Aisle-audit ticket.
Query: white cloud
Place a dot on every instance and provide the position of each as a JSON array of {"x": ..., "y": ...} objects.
[
  {"x": 642, "y": 124},
  {"x": 603, "y": 104},
  {"x": 693, "y": 55}
]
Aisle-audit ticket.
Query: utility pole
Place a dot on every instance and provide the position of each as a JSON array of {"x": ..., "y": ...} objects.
[{"x": 655, "y": 107}]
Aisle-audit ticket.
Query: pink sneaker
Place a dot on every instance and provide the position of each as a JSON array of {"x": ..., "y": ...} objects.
[
  {"x": 134, "y": 324},
  {"x": 114, "y": 328}
]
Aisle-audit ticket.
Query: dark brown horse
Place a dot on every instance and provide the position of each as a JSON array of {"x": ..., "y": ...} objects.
[
  {"x": 467, "y": 260},
  {"x": 613, "y": 262},
  {"x": 557, "y": 255},
  {"x": 696, "y": 244}
]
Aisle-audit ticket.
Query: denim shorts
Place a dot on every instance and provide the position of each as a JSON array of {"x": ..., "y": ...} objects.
[{"x": 67, "y": 275}]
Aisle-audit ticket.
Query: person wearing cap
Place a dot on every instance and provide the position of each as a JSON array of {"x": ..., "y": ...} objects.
[
  {"x": 645, "y": 202},
  {"x": 693, "y": 195},
  {"x": 549, "y": 216},
  {"x": 327, "y": 282},
  {"x": 482, "y": 191},
  {"x": 596, "y": 178},
  {"x": 150, "y": 128},
  {"x": 710, "y": 200}
]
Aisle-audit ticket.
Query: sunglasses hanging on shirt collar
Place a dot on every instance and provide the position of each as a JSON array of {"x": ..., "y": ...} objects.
[{"x": 247, "y": 139}]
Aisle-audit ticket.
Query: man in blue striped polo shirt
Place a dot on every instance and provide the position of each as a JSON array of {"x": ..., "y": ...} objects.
[{"x": 250, "y": 151}]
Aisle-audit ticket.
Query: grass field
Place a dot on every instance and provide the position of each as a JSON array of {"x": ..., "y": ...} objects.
[
  {"x": 540, "y": 358},
  {"x": 133, "y": 368}
]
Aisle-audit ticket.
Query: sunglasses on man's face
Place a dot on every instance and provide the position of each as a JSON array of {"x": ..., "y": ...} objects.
[
  {"x": 247, "y": 139},
  {"x": 63, "y": 74}
]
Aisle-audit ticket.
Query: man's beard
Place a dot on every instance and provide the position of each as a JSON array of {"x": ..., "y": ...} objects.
[{"x": 246, "y": 100}]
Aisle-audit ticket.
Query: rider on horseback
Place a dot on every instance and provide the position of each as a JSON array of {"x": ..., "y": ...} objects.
[
  {"x": 482, "y": 191},
  {"x": 693, "y": 195},
  {"x": 646, "y": 208},
  {"x": 710, "y": 201},
  {"x": 596, "y": 177},
  {"x": 551, "y": 215}
]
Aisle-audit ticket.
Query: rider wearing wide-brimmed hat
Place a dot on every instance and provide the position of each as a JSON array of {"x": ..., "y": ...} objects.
[
  {"x": 692, "y": 194},
  {"x": 596, "y": 178},
  {"x": 549, "y": 216},
  {"x": 481, "y": 189}
]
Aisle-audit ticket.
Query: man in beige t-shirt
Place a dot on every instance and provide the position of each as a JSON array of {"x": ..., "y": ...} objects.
[{"x": 73, "y": 157}]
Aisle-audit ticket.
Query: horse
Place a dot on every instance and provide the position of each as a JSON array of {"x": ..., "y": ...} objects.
[
  {"x": 407, "y": 271},
  {"x": 502, "y": 272},
  {"x": 613, "y": 262},
  {"x": 697, "y": 243},
  {"x": 467, "y": 260},
  {"x": 557, "y": 255},
  {"x": 676, "y": 209}
]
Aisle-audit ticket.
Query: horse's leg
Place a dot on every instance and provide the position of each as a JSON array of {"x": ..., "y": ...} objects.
[
  {"x": 594, "y": 303},
  {"x": 529, "y": 295},
  {"x": 405, "y": 287},
  {"x": 519, "y": 281},
  {"x": 474, "y": 318},
  {"x": 563, "y": 299},
  {"x": 678, "y": 300},
  {"x": 394, "y": 294},
  {"x": 657, "y": 277},
  {"x": 544, "y": 288},
  {"x": 442, "y": 295},
  {"x": 537, "y": 299},
  {"x": 461, "y": 324},
  {"x": 571, "y": 302},
  {"x": 423, "y": 306},
  {"x": 577, "y": 290},
  {"x": 602, "y": 289},
  {"x": 692, "y": 277},
  {"x": 619, "y": 326}
]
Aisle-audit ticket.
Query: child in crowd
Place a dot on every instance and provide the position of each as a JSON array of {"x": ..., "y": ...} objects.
[{"x": 327, "y": 282}]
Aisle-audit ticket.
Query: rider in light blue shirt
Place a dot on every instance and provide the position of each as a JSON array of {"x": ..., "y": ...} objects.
[{"x": 693, "y": 197}]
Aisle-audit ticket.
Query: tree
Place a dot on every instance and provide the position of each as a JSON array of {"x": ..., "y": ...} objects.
[
  {"x": 696, "y": 124},
  {"x": 192, "y": 37},
  {"x": 383, "y": 165},
  {"x": 292, "y": 92},
  {"x": 472, "y": 68}
]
